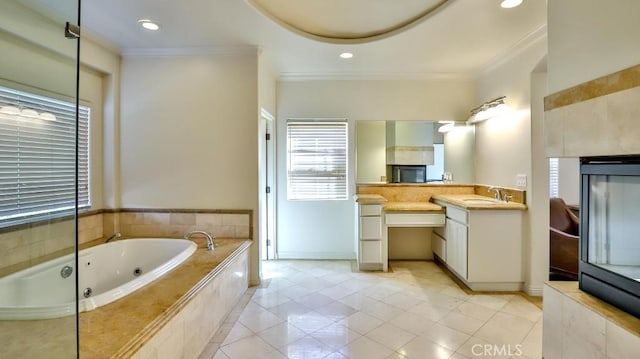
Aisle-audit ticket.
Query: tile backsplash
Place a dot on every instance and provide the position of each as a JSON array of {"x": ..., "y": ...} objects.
[
  {"x": 597, "y": 118},
  {"x": 29, "y": 245}
]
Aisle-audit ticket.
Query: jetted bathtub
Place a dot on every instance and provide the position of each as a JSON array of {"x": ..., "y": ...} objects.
[{"x": 107, "y": 272}]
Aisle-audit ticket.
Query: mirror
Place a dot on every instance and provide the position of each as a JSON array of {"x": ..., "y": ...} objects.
[{"x": 452, "y": 152}]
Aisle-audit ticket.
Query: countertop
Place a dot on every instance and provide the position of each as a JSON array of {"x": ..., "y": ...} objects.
[
  {"x": 462, "y": 200},
  {"x": 413, "y": 207},
  {"x": 369, "y": 199},
  {"x": 459, "y": 200}
]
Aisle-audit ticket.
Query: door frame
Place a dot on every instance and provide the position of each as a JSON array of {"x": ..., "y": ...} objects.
[{"x": 267, "y": 180}]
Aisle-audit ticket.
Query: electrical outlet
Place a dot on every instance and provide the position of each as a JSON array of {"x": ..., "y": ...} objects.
[{"x": 521, "y": 180}]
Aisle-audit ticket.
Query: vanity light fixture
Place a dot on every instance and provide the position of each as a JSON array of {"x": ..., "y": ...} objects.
[
  {"x": 446, "y": 126},
  {"x": 487, "y": 110},
  {"x": 508, "y": 4},
  {"x": 148, "y": 24},
  {"x": 346, "y": 55}
]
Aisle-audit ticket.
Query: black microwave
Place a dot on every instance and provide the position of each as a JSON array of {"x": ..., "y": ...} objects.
[{"x": 407, "y": 173}]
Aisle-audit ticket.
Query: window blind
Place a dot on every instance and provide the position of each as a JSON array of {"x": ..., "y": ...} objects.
[
  {"x": 317, "y": 160},
  {"x": 38, "y": 157},
  {"x": 554, "y": 175}
]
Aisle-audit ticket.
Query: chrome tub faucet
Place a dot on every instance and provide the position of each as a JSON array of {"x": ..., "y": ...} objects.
[
  {"x": 113, "y": 236},
  {"x": 210, "y": 243}
]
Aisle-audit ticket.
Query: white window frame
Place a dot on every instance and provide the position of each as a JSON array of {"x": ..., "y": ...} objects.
[
  {"x": 554, "y": 178},
  {"x": 317, "y": 159},
  {"x": 38, "y": 169}
]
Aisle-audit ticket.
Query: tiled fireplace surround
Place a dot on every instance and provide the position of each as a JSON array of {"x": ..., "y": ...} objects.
[
  {"x": 598, "y": 118},
  {"x": 25, "y": 246}
]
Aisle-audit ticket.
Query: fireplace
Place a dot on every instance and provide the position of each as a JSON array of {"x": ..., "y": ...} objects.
[{"x": 609, "y": 266}]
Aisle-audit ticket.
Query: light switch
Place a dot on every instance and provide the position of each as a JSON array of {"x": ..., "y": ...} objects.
[{"x": 521, "y": 180}]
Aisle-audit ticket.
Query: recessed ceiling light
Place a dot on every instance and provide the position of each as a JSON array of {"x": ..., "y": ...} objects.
[
  {"x": 148, "y": 24},
  {"x": 346, "y": 55},
  {"x": 508, "y": 4}
]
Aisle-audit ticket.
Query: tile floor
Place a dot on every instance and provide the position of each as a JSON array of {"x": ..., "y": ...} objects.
[{"x": 323, "y": 309}]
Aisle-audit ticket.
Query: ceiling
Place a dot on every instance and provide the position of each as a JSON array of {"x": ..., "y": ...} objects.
[{"x": 461, "y": 37}]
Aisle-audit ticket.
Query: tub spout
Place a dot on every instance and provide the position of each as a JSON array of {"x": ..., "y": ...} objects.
[
  {"x": 210, "y": 243},
  {"x": 113, "y": 236}
]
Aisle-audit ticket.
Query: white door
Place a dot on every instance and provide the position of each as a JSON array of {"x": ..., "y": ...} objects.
[{"x": 267, "y": 187}]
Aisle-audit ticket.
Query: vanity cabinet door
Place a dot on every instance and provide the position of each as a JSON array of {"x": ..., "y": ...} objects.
[
  {"x": 439, "y": 246},
  {"x": 370, "y": 251},
  {"x": 456, "y": 247},
  {"x": 370, "y": 228}
]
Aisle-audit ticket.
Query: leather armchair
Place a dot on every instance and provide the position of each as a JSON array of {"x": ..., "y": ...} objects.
[{"x": 564, "y": 237}]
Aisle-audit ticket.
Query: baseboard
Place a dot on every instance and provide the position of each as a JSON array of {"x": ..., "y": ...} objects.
[
  {"x": 317, "y": 255},
  {"x": 534, "y": 290}
]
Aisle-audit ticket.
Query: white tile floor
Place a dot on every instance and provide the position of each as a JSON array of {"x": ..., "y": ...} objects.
[{"x": 322, "y": 309}]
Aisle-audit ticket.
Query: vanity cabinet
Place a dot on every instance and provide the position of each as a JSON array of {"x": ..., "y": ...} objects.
[
  {"x": 482, "y": 247},
  {"x": 370, "y": 237},
  {"x": 456, "y": 235}
]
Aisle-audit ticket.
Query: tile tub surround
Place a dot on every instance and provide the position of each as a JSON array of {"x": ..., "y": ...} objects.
[
  {"x": 578, "y": 325},
  {"x": 176, "y": 222},
  {"x": 26, "y": 245},
  {"x": 188, "y": 333},
  {"x": 126, "y": 325},
  {"x": 596, "y": 118}
]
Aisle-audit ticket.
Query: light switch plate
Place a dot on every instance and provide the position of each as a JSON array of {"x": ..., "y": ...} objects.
[{"x": 521, "y": 180}]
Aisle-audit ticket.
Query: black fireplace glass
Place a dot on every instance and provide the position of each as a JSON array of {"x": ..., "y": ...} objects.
[{"x": 610, "y": 230}]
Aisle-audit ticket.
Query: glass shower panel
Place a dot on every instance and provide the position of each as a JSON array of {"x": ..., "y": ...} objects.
[{"x": 38, "y": 108}]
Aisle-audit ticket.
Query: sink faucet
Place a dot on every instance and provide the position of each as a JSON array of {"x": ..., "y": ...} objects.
[
  {"x": 210, "y": 243},
  {"x": 498, "y": 195},
  {"x": 113, "y": 236}
]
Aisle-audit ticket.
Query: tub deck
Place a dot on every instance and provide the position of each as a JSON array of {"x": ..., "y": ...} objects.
[{"x": 120, "y": 328}]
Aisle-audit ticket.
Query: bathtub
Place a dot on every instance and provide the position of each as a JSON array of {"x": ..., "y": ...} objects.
[{"x": 107, "y": 272}]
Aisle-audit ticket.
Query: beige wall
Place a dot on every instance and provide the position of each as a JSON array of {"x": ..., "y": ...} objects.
[
  {"x": 189, "y": 134},
  {"x": 590, "y": 38},
  {"x": 503, "y": 146}
]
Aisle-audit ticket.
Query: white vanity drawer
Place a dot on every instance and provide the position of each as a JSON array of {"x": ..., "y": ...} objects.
[
  {"x": 370, "y": 227},
  {"x": 370, "y": 251},
  {"x": 370, "y": 210},
  {"x": 414, "y": 219},
  {"x": 457, "y": 214}
]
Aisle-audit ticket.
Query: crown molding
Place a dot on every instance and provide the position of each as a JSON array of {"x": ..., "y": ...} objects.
[
  {"x": 372, "y": 76},
  {"x": 240, "y": 50},
  {"x": 99, "y": 40},
  {"x": 515, "y": 50}
]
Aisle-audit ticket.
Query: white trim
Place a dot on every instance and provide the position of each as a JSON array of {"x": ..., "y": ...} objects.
[
  {"x": 316, "y": 255},
  {"x": 534, "y": 290},
  {"x": 266, "y": 114},
  {"x": 382, "y": 76},
  {"x": 98, "y": 40},
  {"x": 515, "y": 50},
  {"x": 240, "y": 50}
]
